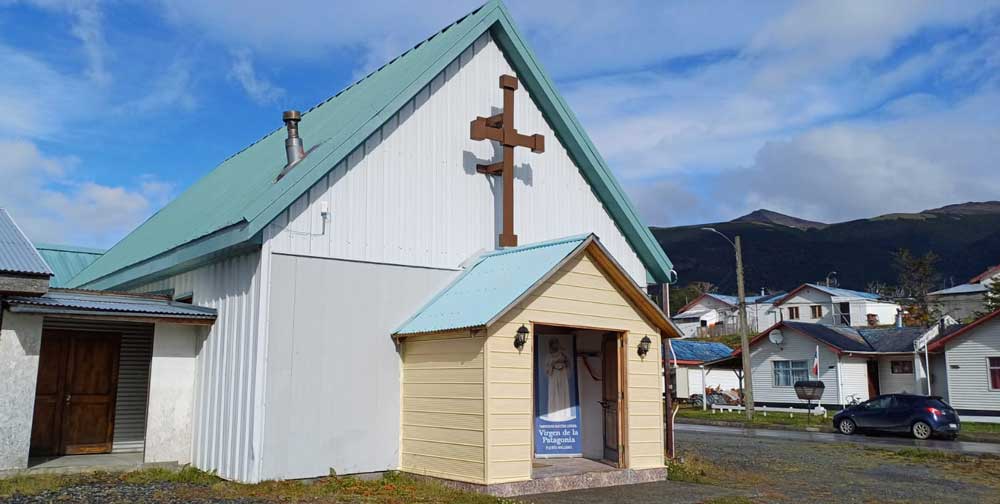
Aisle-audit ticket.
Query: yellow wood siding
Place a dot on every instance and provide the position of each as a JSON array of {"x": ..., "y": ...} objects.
[
  {"x": 442, "y": 402},
  {"x": 581, "y": 295}
]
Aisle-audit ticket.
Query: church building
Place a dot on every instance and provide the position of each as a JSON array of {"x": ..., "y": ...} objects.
[{"x": 433, "y": 271}]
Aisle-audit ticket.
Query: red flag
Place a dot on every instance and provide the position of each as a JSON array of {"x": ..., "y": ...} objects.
[{"x": 816, "y": 363}]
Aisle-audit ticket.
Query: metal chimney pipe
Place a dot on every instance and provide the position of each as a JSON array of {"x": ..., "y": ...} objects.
[{"x": 293, "y": 144}]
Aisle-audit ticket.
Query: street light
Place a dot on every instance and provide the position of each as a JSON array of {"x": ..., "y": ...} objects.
[
  {"x": 744, "y": 338},
  {"x": 828, "y": 275}
]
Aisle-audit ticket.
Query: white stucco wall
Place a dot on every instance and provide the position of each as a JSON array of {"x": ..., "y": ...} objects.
[
  {"x": 171, "y": 393},
  {"x": 20, "y": 342}
]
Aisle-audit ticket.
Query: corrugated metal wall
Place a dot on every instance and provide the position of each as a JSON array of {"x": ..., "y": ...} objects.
[
  {"x": 411, "y": 194},
  {"x": 227, "y": 384},
  {"x": 133, "y": 376}
]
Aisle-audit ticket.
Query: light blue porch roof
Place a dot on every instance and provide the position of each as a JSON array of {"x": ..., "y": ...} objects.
[{"x": 492, "y": 284}]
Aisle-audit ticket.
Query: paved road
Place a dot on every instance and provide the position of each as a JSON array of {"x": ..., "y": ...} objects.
[{"x": 826, "y": 437}]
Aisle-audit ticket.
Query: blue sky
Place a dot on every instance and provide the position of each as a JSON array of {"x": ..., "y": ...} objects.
[{"x": 705, "y": 110}]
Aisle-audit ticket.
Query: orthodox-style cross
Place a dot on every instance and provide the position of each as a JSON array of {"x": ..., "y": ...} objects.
[{"x": 500, "y": 128}]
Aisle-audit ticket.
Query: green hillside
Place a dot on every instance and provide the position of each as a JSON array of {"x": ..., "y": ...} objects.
[{"x": 784, "y": 255}]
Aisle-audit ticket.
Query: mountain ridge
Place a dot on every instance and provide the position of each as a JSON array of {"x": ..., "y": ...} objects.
[{"x": 782, "y": 252}]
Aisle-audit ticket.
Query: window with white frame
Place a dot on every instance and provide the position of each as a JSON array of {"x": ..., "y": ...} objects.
[
  {"x": 787, "y": 372},
  {"x": 994, "y": 366}
]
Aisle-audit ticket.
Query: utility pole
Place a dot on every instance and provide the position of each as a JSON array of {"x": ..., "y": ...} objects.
[{"x": 744, "y": 337}]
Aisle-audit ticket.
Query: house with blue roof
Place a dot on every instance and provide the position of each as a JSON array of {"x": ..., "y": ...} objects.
[
  {"x": 688, "y": 374},
  {"x": 432, "y": 271},
  {"x": 967, "y": 301},
  {"x": 713, "y": 314},
  {"x": 822, "y": 304}
]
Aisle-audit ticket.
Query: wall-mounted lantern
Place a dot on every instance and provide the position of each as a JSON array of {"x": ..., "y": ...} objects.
[
  {"x": 521, "y": 338},
  {"x": 644, "y": 346}
]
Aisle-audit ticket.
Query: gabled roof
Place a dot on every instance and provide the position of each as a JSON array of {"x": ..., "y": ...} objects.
[
  {"x": 93, "y": 303},
  {"x": 973, "y": 288},
  {"x": 843, "y": 339},
  {"x": 66, "y": 260},
  {"x": 832, "y": 291},
  {"x": 498, "y": 280},
  {"x": 732, "y": 301},
  {"x": 230, "y": 206},
  {"x": 938, "y": 344},
  {"x": 17, "y": 254},
  {"x": 698, "y": 351},
  {"x": 986, "y": 275}
]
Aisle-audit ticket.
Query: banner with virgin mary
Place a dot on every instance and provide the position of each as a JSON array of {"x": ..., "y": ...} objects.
[{"x": 557, "y": 404}]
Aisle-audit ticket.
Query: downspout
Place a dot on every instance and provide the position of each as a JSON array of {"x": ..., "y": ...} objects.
[{"x": 840, "y": 381}]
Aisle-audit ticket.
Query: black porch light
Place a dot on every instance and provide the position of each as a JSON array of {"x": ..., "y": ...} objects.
[
  {"x": 521, "y": 338},
  {"x": 644, "y": 346}
]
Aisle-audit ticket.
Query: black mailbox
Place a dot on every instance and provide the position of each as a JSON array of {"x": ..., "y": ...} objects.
[{"x": 809, "y": 390}]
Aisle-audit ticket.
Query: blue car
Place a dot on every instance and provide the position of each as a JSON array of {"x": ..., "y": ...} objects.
[{"x": 921, "y": 416}]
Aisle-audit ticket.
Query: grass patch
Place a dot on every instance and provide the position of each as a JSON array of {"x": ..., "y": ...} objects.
[
  {"x": 759, "y": 420},
  {"x": 192, "y": 485},
  {"x": 731, "y": 499},
  {"x": 982, "y": 469},
  {"x": 691, "y": 468}
]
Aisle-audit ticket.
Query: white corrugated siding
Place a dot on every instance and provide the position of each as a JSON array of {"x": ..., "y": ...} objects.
[
  {"x": 227, "y": 383},
  {"x": 133, "y": 376},
  {"x": 411, "y": 194},
  {"x": 900, "y": 383},
  {"x": 968, "y": 378},
  {"x": 854, "y": 378}
]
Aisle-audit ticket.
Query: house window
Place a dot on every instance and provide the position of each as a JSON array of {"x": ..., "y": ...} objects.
[
  {"x": 704, "y": 323},
  {"x": 793, "y": 313},
  {"x": 817, "y": 311},
  {"x": 902, "y": 367},
  {"x": 787, "y": 372},
  {"x": 994, "y": 364}
]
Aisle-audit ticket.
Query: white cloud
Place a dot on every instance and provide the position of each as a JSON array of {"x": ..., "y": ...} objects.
[
  {"x": 51, "y": 204},
  {"x": 259, "y": 89},
  {"x": 88, "y": 27}
]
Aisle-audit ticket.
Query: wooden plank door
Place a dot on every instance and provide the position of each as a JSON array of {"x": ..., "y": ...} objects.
[
  {"x": 90, "y": 389},
  {"x": 75, "y": 393},
  {"x": 46, "y": 426},
  {"x": 611, "y": 398}
]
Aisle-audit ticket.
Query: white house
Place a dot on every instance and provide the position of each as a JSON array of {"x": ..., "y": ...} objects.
[
  {"x": 970, "y": 356},
  {"x": 685, "y": 362},
  {"x": 966, "y": 301},
  {"x": 320, "y": 247},
  {"x": 854, "y": 363},
  {"x": 712, "y": 313},
  {"x": 819, "y": 304}
]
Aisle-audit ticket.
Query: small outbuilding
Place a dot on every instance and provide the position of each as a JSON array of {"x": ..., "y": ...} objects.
[{"x": 537, "y": 360}]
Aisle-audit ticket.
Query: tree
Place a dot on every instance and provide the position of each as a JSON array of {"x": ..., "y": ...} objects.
[
  {"x": 993, "y": 297},
  {"x": 917, "y": 276}
]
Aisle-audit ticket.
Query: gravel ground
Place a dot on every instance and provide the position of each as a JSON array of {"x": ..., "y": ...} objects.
[
  {"x": 165, "y": 493},
  {"x": 767, "y": 470}
]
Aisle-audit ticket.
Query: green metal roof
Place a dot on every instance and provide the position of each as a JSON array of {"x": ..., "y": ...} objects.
[
  {"x": 66, "y": 260},
  {"x": 492, "y": 285},
  {"x": 226, "y": 209}
]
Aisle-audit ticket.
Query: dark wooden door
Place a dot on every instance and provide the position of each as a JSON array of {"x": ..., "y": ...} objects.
[
  {"x": 611, "y": 398},
  {"x": 75, "y": 398},
  {"x": 873, "y": 388}
]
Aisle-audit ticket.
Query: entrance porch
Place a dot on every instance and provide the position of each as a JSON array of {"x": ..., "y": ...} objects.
[
  {"x": 558, "y": 386},
  {"x": 100, "y": 380}
]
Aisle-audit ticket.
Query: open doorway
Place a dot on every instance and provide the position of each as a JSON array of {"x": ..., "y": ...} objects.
[{"x": 579, "y": 401}]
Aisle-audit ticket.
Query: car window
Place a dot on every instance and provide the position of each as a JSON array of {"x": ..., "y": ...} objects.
[
  {"x": 904, "y": 402},
  {"x": 877, "y": 403}
]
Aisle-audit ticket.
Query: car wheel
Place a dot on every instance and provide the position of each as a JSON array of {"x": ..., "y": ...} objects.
[
  {"x": 847, "y": 426},
  {"x": 921, "y": 430}
]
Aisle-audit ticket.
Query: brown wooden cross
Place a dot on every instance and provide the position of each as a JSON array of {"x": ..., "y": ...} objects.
[{"x": 500, "y": 128}]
